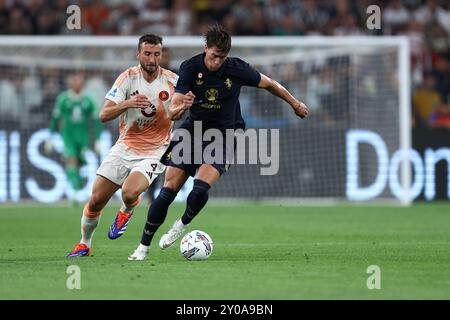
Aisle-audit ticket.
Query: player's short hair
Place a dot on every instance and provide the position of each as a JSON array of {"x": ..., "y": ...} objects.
[
  {"x": 77, "y": 73},
  {"x": 217, "y": 36},
  {"x": 149, "y": 38}
]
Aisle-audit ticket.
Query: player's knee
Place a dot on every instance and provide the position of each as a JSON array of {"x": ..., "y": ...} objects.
[
  {"x": 129, "y": 196},
  {"x": 96, "y": 202},
  {"x": 172, "y": 185},
  {"x": 174, "y": 181}
]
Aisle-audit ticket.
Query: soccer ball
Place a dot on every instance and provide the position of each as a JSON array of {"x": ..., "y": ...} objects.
[{"x": 196, "y": 245}]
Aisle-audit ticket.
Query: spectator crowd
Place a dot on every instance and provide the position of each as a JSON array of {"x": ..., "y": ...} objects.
[{"x": 426, "y": 23}]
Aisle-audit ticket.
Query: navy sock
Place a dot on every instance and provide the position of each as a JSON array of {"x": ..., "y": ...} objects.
[
  {"x": 196, "y": 200},
  {"x": 157, "y": 214}
]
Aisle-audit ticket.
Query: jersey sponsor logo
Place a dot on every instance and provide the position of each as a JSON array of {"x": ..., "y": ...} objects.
[
  {"x": 112, "y": 93},
  {"x": 150, "y": 111},
  {"x": 228, "y": 83},
  {"x": 163, "y": 95},
  {"x": 212, "y": 94}
]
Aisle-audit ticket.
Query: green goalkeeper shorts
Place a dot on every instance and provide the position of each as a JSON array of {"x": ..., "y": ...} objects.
[{"x": 75, "y": 150}]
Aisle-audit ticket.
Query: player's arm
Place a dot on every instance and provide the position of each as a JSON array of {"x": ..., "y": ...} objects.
[
  {"x": 56, "y": 115},
  {"x": 278, "y": 90},
  {"x": 179, "y": 104},
  {"x": 54, "y": 123},
  {"x": 112, "y": 110}
]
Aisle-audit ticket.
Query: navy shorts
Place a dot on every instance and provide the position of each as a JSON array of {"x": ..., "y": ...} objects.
[{"x": 189, "y": 159}]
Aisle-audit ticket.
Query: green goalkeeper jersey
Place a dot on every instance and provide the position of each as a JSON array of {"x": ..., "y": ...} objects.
[{"x": 73, "y": 114}]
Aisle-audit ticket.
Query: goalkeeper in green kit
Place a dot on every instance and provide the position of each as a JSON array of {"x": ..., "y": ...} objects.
[{"x": 72, "y": 116}]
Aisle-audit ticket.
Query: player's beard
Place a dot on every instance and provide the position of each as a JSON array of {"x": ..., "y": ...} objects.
[{"x": 149, "y": 68}]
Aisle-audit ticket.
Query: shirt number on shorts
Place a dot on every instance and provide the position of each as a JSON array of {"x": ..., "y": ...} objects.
[{"x": 154, "y": 166}]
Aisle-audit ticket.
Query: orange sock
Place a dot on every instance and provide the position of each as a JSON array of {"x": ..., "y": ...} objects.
[{"x": 90, "y": 214}]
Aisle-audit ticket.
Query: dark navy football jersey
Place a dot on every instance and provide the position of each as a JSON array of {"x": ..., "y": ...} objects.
[{"x": 216, "y": 93}]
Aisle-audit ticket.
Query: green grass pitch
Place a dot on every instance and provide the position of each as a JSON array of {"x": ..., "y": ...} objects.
[{"x": 260, "y": 252}]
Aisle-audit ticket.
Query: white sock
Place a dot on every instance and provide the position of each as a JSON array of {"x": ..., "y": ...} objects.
[
  {"x": 88, "y": 226},
  {"x": 125, "y": 209},
  {"x": 143, "y": 248},
  {"x": 179, "y": 224}
]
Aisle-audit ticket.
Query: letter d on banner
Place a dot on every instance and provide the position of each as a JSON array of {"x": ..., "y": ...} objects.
[{"x": 353, "y": 190}]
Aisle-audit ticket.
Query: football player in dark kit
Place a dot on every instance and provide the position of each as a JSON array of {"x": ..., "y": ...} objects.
[{"x": 215, "y": 80}]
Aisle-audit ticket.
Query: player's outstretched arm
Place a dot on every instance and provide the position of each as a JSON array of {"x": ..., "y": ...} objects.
[
  {"x": 179, "y": 104},
  {"x": 278, "y": 90},
  {"x": 112, "y": 110}
]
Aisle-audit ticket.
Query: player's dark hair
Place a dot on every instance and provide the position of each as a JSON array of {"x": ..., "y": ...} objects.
[
  {"x": 149, "y": 38},
  {"x": 217, "y": 36}
]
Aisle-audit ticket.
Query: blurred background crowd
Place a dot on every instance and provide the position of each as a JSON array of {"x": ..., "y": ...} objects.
[{"x": 425, "y": 22}]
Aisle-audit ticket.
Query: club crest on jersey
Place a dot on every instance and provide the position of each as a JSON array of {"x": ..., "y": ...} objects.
[
  {"x": 212, "y": 94},
  {"x": 199, "y": 80},
  {"x": 148, "y": 112},
  {"x": 228, "y": 83},
  {"x": 163, "y": 96}
]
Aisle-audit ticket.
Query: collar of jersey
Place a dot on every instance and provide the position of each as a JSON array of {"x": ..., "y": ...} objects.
[
  {"x": 74, "y": 96},
  {"x": 142, "y": 71},
  {"x": 205, "y": 70}
]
